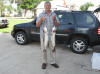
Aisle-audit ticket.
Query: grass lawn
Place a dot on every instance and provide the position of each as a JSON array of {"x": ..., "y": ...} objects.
[{"x": 13, "y": 22}]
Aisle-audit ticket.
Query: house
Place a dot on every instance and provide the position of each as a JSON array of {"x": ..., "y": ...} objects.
[{"x": 67, "y": 5}]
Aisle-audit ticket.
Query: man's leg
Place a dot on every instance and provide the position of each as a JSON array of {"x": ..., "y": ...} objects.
[
  {"x": 53, "y": 50},
  {"x": 44, "y": 54},
  {"x": 52, "y": 53}
]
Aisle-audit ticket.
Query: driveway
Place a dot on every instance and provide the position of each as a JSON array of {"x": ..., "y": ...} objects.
[{"x": 26, "y": 59}]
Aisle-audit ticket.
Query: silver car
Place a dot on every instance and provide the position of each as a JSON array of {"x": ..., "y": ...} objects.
[{"x": 3, "y": 22}]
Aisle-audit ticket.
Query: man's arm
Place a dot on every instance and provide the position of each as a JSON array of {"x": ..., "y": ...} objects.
[
  {"x": 55, "y": 20},
  {"x": 40, "y": 21},
  {"x": 56, "y": 23}
]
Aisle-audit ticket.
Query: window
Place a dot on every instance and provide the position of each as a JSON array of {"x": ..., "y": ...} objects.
[
  {"x": 84, "y": 19},
  {"x": 65, "y": 18}
]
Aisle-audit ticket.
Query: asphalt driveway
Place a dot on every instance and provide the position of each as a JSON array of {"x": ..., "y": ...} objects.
[{"x": 26, "y": 59}]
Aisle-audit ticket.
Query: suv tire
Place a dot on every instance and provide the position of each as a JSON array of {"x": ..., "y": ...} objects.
[
  {"x": 79, "y": 45},
  {"x": 21, "y": 38}
]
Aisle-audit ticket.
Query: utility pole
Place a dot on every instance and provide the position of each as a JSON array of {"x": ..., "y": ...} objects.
[{"x": 64, "y": 3}]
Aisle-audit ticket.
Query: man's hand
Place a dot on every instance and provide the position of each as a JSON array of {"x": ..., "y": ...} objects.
[
  {"x": 54, "y": 18},
  {"x": 43, "y": 18}
]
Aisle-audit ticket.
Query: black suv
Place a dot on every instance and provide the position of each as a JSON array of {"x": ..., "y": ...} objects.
[{"x": 79, "y": 29}]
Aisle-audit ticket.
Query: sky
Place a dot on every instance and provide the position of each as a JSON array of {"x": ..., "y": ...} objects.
[{"x": 78, "y": 2}]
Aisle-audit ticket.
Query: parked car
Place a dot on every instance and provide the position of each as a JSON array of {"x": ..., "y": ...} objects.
[
  {"x": 79, "y": 29},
  {"x": 97, "y": 13},
  {"x": 97, "y": 10},
  {"x": 3, "y": 23}
]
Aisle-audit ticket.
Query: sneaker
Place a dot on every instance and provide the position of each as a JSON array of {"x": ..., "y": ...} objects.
[
  {"x": 55, "y": 65},
  {"x": 44, "y": 66}
]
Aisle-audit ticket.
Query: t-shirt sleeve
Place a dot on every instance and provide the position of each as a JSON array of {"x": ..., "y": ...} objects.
[{"x": 39, "y": 17}]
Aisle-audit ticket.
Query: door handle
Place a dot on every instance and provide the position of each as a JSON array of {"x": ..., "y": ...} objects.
[{"x": 69, "y": 23}]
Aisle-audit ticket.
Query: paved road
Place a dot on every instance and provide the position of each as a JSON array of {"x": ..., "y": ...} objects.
[{"x": 26, "y": 59}]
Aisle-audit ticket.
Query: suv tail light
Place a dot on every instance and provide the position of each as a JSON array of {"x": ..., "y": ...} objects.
[{"x": 98, "y": 30}]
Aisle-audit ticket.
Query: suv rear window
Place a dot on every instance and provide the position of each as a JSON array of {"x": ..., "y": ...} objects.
[{"x": 83, "y": 19}]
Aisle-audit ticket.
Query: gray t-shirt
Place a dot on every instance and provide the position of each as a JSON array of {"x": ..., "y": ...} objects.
[{"x": 48, "y": 23}]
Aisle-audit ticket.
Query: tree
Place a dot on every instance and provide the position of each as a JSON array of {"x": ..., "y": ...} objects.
[
  {"x": 9, "y": 8},
  {"x": 86, "y": 6},
  {"x": 16, "y": 1},
  {"x": 30, "y": 5},
  {"x": 98, "y": 5},
  {"x": 2, "y": 6},
  {"x": 19, "y": 11}
]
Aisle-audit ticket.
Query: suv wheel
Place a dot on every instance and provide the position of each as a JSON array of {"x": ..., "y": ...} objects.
[
  {"x": 78, "y": 45},
  {"x": 21, "y": 38}
]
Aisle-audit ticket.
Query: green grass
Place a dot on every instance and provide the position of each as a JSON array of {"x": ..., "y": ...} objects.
[{"x": 13, "y": 22}]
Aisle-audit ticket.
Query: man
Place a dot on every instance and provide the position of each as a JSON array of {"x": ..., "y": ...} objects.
[{"x": 49, "y": 19}]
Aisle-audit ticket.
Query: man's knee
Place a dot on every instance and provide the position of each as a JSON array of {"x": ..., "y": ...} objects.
[
  {"x": 54, "y": 50},
  {"x": 44, "y": 50}
]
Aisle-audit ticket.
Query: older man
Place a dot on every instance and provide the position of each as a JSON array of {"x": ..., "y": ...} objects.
[{"x": 49, "y": 19}]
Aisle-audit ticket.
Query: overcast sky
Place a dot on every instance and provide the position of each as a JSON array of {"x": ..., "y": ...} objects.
[{"x": 78, "y": 2}]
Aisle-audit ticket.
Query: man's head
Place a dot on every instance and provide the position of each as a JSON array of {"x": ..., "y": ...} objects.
[{"x": 47, "y": 6}]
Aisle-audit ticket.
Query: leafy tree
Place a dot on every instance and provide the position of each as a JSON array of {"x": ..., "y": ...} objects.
[
  {"x": 86, "y": 6},
  {"x": 19, "y": 11},
  {"x": 16, "y": 1},
  {"x": 9, "y": 8},
  {"x": 2, "y": 6},
  {"x": 30, "y": 5},
  {"x": 98, "y": 5}
]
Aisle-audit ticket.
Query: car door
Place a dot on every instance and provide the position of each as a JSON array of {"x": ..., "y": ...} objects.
[
  {"x": 35, "y": 32},
  {"x": 66, "y": 26}
]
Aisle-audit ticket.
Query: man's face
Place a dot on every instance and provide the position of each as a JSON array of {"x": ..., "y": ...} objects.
[{"x": 47, "y": 6}]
